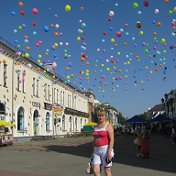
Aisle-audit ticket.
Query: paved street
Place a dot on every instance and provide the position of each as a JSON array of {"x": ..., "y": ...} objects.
[{"x": 69, "y": 157}]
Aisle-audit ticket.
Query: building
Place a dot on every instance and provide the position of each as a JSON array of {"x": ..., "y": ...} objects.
[
  {"x": 38, "y": 102},
  {"x": 169, "y": 101},
  {"x": 155, "y": 111}
]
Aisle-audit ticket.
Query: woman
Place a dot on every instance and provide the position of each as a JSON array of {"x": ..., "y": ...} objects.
[{"x": 103, "y": 145}]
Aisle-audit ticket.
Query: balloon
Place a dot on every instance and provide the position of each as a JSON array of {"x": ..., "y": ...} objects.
[
  {"x": 118, "y": 34},
  {"x": 13, "y": 13},
  {"x": 156, "y": 11},
  {"x": 138, "y": 25},
  {"x": 174, "y": 9},
  {"x": 158, "y": 24},
  {"x": 22, "y": 12},
  {"x": 56, "y": 26},
  {"x": 146, "y": 3},
  {"x": 35, "y": 11},
  {"x": 111, "y": 13},
  {"x": 67, "y": 8},
  {"x": 46, "y": 28},
  {"x": 20, "y": 4},
  {"x": 135, "y": 5},
  {"x": 27, "y": 55}
]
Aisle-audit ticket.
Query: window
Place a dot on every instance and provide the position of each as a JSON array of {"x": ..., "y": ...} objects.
[
  {"x": 45, "y": 91},
  {"x": 61, "y": 98},
  {"x": 57, "y": 96},
  {"x": 49, "y": 96},
  {"x": 18, "y": 80},
  {"x": 20, "y": 119},
  {"x": 68, "y": 100},
  {"x": 37, "y": 88},
  {"x": 54, "y": 95},
  {"x": 76, "y": 123},
  {"x": 47, "y": 121},
  {"x": 63, "y": 123},
  {"x": 5, "y": 75},
  {"x": 2, "y": 108},
  {"x": 70, "y": 122},
  {"x": 23, "y": 81},
  {"x": 81, "y": 123},
  {"x": 33, "y": 86}
]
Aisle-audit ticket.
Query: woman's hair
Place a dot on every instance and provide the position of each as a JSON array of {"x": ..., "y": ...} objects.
[{"x": 102, "y": 112}]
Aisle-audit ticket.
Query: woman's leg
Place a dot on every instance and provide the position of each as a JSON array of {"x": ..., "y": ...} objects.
[
  {"x": 96, "y": 170},
  {"x": 107, "y": 171}
]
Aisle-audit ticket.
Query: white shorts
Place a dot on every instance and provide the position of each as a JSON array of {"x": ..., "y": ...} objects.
[{"x": 99, "y": 156}]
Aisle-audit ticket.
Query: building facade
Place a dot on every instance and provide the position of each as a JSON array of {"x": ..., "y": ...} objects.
[
  {"x": 169, "y": 101},
  {"x": 37, "y": 102}
]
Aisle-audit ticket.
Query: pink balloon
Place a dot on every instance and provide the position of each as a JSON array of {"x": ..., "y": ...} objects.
[{"x": 35, "y": 11}]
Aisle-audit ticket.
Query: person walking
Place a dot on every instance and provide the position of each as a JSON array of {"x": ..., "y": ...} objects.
[{"x": 102, "y": 146}]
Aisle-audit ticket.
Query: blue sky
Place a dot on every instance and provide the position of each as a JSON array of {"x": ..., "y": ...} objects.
[{"x": 124, "y": 50}]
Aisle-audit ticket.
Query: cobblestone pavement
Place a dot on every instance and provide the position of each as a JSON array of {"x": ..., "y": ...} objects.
[{"x": 69, "y": 157}]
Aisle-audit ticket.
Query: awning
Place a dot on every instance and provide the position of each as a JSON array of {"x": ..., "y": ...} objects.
[
  {"x": 90, "y": 124},
  {"x": 135, "y": 119},
  {"x": 3, "y": 123}
]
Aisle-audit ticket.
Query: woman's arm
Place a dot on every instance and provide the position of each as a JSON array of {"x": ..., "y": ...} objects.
[{"x": 110, "y": 130}]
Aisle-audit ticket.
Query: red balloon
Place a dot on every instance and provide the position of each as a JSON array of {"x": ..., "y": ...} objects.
[
  {"x": 22, "y": 12},
  {"x": 146, "y": 3}
]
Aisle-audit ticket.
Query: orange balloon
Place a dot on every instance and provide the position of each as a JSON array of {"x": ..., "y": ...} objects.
[
  {"x": 20, "y": 4},
  {"x": 67, "y": 68},
  {"x": 56, "y": 34},
  {"x": 154, "y": 33},
  {"x": 158, "y": 24},
  {"x": 82, "y": 59}
]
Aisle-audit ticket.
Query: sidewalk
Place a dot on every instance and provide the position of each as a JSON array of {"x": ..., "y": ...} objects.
[{"x": 69, "y": 157}]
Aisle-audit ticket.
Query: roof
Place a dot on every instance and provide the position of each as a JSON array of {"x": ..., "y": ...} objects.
[
  {"x": 160, "y": 118},
  {"x": 135, "y": 119},
  {"x": 157, "y": 108}
]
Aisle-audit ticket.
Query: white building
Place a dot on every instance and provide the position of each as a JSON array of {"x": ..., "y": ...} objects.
[{"x": 36, "y": 101}]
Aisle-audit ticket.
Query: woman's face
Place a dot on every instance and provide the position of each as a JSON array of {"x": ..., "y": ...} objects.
[{"x": 101, "y": 117}]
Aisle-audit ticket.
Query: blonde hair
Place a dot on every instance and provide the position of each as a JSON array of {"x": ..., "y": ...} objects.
[{"x": 102, "y": 112}]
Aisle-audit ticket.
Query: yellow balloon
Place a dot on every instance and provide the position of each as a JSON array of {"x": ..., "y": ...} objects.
[
  {"x": 26, "y": 55},
  {"x": 174, "y": 9},
  {"x": 67, "y": 8}
]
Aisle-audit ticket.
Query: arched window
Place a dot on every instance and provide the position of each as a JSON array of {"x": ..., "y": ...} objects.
[
  {"x": 76, "y": 123},
  {"x": 20, "y": 119},
  {"x": 81, "y": 123},
  {"x": 84, "y": 121},
  {"x": 2, "y": 108},
  {"x": 47, "y": 121},
  {"x": 70, "y": 122},
  {"x": 63, "y": 122}
]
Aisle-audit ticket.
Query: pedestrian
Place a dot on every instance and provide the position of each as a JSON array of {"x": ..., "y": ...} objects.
[
  {"x": 145, "y": 146},
  {"x": 137, "y": 141},
  {"x": 173, "y": 134},
  {"x": 102, "y": 146}
]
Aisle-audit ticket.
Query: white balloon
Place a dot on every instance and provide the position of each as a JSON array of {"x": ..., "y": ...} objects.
[{"x": 111, "y": 13}]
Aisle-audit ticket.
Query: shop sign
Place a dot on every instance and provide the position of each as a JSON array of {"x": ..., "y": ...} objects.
[
  {"x": 57, "y": 111},
  {"x": 48, "y": 106},
  {"x": 36, "y": 104}
]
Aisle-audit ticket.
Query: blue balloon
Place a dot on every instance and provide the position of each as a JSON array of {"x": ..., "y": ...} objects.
[{"x": 46, "y": 28}]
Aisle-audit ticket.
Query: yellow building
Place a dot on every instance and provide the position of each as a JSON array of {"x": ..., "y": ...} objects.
[{"x": 36, "y": 101}]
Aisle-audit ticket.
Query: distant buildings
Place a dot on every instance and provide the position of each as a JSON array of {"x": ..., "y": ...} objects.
[{"x": 169, "y": 102}]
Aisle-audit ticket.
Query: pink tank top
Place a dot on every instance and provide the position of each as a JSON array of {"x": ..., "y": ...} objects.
[{"x": 100, "y": 136}]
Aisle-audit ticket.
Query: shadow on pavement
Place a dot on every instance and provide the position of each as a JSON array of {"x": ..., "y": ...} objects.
[{"x": 163, "y": 153}]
